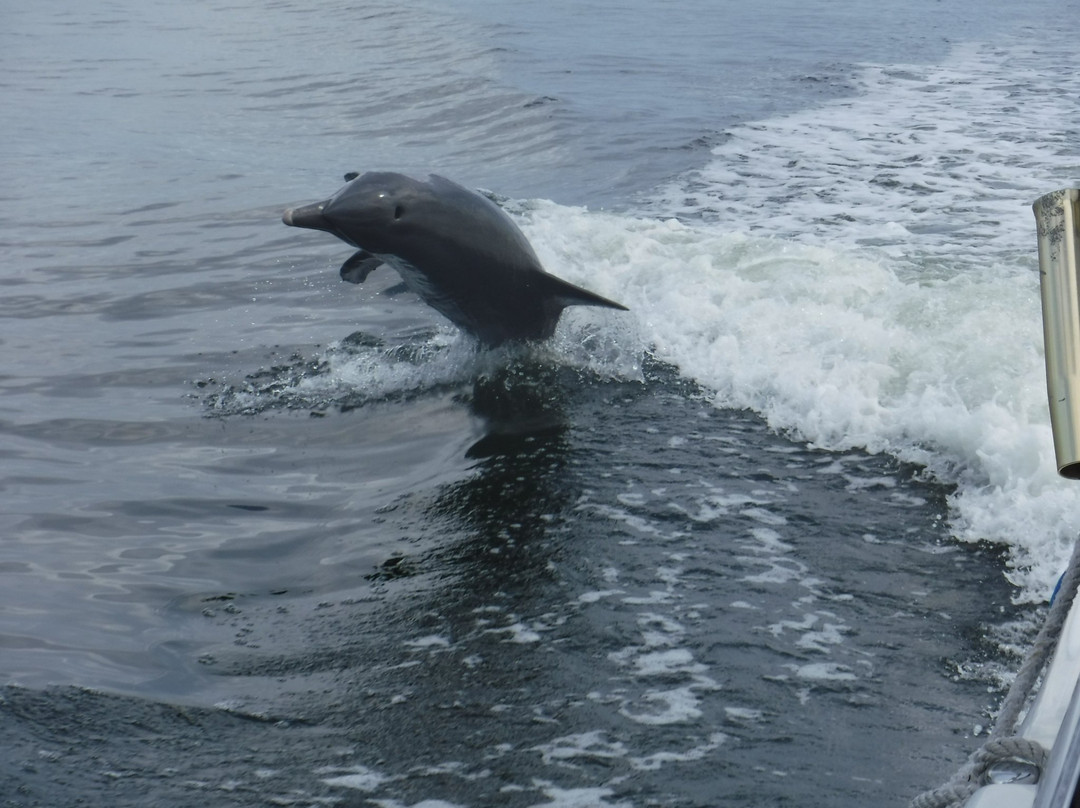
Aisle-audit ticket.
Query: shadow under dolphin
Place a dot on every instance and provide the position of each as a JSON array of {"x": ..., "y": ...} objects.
[{"x": 519, "y": 405}]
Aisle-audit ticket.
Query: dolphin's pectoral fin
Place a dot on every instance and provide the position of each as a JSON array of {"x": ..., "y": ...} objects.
[{"x": 359, "y": 265}]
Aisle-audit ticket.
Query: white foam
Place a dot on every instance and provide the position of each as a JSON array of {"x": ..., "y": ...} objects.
[
  {"x": 638, "y": 524},
  {"x": 660, "y": 655},
  {"x": 656, "y": 597},
  {"x": 360, "y": 778},
  {"x": 823, "y": 672},
  {"x": 746, "y": 715},
  {"x": 865, "y": 275},
  {"x": 779, "y": 571},
  {"x": 589, "y": 745},
  {"x": 657, "y": 759},
  {"x": 595, "y": 595},
  {"x": 577, "y": 797},
  {"x": 822, "y": 638},
  {"x": 454, "y": 767},
  {"x": 664, "y": 663},
  {"x": 768, "y": 541},
  {"x": 521, "y": 633},
  {"x": 594, "y": 745},
  {"x": 764, "y": 516},
  {"x": 678, "y": 705}
]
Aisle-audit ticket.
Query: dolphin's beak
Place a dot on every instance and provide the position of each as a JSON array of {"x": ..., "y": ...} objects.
[{"x": 309, "y": 216}]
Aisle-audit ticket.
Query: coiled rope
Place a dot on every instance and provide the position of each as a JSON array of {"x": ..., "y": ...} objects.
[{"x": 1004, "y": 745}]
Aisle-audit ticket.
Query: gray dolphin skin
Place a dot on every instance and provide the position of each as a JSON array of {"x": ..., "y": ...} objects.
[{"x": 453, "y": 247}]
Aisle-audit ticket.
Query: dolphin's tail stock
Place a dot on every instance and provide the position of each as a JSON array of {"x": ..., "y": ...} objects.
[{"x": 563, "y": 294}]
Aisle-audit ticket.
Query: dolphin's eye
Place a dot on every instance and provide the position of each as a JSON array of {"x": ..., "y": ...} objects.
[{"x": 398, "y": 212}]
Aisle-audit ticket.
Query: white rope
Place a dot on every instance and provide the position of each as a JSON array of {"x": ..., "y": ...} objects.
[
  {"x": 1003, "y": 744},
  {"x": 972, "y": 776}
]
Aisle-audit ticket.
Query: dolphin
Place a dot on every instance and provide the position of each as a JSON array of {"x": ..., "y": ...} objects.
[{"x": 453, "y": 247}]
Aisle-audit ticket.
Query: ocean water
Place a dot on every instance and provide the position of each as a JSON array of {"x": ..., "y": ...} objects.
[{"x": 775, "y": 536}]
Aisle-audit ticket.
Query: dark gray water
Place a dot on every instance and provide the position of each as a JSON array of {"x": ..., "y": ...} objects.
[
  {"x": 272, "y": 539},
  {"x": 590, "y": 617}
]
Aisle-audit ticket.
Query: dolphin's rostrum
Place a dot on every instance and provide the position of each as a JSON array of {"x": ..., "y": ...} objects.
[{"x": 453, "y": 247}]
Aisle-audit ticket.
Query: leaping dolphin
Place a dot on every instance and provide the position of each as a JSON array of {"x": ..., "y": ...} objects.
[{"x": 453, "y": 247}]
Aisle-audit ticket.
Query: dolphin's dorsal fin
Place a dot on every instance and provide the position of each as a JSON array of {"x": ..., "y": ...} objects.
[
  {"x": 359, "y": 265},
  {"x": 352, "y": 175}
]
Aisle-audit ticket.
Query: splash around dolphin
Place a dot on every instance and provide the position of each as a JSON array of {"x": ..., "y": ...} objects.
[{"x": 453, "y": 247}]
